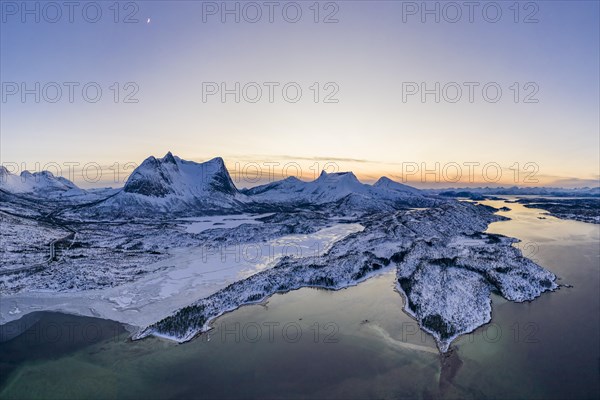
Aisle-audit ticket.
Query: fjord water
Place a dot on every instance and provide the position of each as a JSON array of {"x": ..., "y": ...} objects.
[{"x": 353, "y": 343}]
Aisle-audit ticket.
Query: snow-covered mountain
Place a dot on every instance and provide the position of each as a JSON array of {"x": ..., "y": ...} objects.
[
  {"x": 171, "y": 175},
  {"x": 39, "y": 184},
  {"x": 342, "y": 189},
  {"x": 386, "y": 183},
  {"x": 170, "y": 185},
  {"x": 326, "y": 188}
]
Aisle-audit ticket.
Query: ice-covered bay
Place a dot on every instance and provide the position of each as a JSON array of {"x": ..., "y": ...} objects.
[
  {"x": 202, "y": 224},
  {"x": 185, "y": 276}
]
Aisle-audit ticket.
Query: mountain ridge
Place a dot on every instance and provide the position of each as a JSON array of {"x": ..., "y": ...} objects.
[
  {"x": 37, "y": 183},
  {"x": 173, "y": 186}
]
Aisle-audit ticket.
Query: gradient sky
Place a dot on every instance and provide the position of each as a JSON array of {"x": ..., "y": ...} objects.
[{"x": 369, "y": 53}]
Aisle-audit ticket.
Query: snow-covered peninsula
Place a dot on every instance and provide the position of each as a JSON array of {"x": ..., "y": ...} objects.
[{"x": 180, "y": 245}]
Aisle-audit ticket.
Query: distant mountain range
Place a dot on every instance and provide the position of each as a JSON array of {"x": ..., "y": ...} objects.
[
  {"x": 481, "y": 192},
  {"x": 172, "y": 186},
  {"x": 38, "y": 183},
  {"x": 331, "y": 188}
]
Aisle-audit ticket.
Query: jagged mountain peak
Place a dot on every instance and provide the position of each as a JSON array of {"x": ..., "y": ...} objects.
[
  {"x": 169, "y": 159},
  {"x": 173, "y": 185},
  {"x": 149, "y": 162},
  {"x": 327, "y": 188},
  {"x": 171, "y": 175},
  {"x": 340, "y": 188},
  {"x": 41, "y": 174}
]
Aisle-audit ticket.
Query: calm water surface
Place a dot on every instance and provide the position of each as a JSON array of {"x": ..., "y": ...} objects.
[{"x": 353, "y": 343}]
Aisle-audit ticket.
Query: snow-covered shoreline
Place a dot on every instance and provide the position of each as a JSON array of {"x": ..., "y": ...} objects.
[
  {"x": 186, "y": 273},
  {"x": 446, "y": 270}
]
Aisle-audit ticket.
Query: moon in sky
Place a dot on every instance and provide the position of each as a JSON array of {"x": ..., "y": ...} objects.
[{"x": 148, "y": 21}]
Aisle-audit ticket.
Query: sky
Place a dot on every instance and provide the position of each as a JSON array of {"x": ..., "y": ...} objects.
[{"x": 89, "y": 92}]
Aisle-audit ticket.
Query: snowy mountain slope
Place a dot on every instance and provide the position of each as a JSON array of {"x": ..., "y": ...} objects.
[
  {"x": 386, "y": 183},
  {"x": 342, "y": 189},
  {"x": 172, "y": 186},
  {"x": 326, "y": 188},
  {"x": 40, "y": 184},
  {"x": 18, "y": 204}
]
